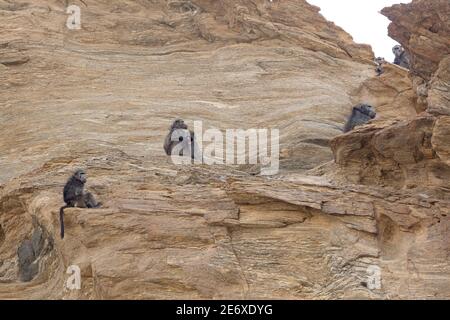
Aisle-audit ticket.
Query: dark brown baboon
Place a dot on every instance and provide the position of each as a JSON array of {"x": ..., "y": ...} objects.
[
  {"x": 401, "y": 57},
  {"x": 75, "y": 196},
  {"x": 181, "y": 140},
  {"x": 362, "y": 113}
]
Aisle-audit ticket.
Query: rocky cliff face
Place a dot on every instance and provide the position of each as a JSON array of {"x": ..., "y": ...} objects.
[
  {"x": 373, "y": 207},
  {"x": 412, "y": 153},
  {"x": 422, "y": 27}
]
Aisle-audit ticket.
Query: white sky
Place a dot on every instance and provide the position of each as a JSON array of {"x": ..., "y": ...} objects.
[{"x": 362, "y": 20}]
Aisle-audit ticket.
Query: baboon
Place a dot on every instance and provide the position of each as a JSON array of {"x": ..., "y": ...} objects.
[
  {"x": 401, "y": 57},
  {"x": 179, "y": 134},
  {"x": 361, "y": 114},
  {"x": 75, "y": 196},
  {"x": 178, "y": 124},
  {"x": 379, "y": 62}
]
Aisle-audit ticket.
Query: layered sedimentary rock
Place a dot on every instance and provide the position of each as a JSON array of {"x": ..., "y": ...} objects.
[
  {"x": 423, "y": 28},
  {"x": 103, "y": 97},
  {"x": 410, "y": 153}
]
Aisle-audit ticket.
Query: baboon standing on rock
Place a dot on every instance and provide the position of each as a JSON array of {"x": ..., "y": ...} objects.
[
  {"x": 75, "y": 196},
  {"x": 361, "y": 114}
]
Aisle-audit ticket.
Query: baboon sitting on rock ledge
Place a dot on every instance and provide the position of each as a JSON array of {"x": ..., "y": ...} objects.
[{"x": 361, "y": 114}]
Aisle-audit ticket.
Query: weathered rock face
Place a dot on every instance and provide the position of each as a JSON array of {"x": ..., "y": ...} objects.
[
  {"x": 439, "y": 92},
  {"x": 404, "y": 154},
  {"x": 102, "y": 98},
  {"x": 412, "y": 153},
  {"x": 243, "y": 79},
  {"x": 440, "y": 140},
  {"x": 409, "y": 153},
  {"x": 422, "y": 27}
]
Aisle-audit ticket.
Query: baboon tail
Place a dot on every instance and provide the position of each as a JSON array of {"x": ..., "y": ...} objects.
[{"x": 61, "y": 220}]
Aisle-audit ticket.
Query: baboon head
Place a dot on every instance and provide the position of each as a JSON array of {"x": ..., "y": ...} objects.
[
  {"x": 80, "y": 175},
  {"x": 178, "y": 124},
  {"x": 398, "y": 50},
  {"x": 379, "y": 60},
  {"x": 367, "y": 110}
]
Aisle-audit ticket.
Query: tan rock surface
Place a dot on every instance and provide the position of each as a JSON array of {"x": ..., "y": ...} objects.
[
  {"x": 439, "y": 93},
  {"x": 391, "y": 94},
  {"x": 103, "y": 97},
  {"x": 405, "y": 154},
  {"x": 422, "y": 27}
]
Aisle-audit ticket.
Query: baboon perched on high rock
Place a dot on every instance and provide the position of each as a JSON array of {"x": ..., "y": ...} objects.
[
  {"x": 361, "y": 114},
  {"x": 75, "y": 196},
  {"x": 401, "y": 57}
]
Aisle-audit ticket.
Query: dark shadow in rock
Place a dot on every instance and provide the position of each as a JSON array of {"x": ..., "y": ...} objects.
[
  {"x": 37, "y": 241},
  {"x": 31, "y": 252},
  {"x": 16, "y": 6},
  {"x": 13, "y": 59},
  {"x": 318, "y": 141},
  {"x": 2, "y": 235},
  {"x": 27, "y": 268}
]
